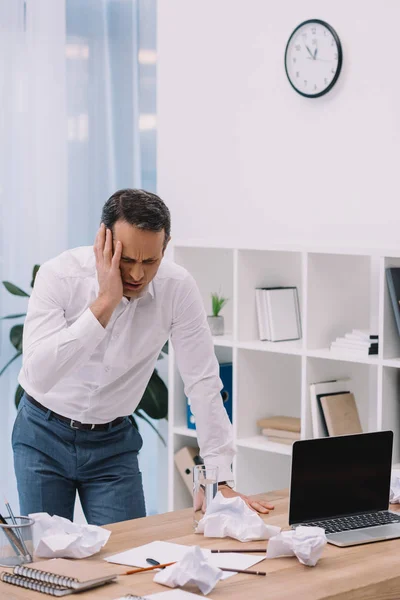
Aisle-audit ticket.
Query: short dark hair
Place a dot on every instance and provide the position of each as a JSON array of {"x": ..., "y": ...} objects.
[{"x": 139, "y": 208}]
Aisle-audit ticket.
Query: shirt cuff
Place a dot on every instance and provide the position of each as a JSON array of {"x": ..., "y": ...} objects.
[
  {"x": 88, "y": 330},
  {"x": 224, "y": 467}
]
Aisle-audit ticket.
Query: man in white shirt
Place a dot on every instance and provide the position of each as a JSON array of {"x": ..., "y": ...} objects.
[{"x": 96, "y": 322}]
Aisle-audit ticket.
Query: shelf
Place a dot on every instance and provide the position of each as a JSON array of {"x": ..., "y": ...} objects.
[
  {"x": 185, "y": 431},
  {"x": 339, "y": 289},
  {"x": 391, "y": 362},
  {"x": 259, "y": 442},
  {"x": 293, "y": 347},
  {"x": 224, "y": 340},
  {"x": 342, "y": 356}
]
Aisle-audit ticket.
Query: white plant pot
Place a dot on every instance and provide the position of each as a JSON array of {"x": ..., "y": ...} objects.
[{"x": 216, "y": 324}]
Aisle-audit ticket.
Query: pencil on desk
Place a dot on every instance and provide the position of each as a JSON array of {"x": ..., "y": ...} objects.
[
  {"x": 142, "y": 569},
  {"x": 161, "y": 566},
  {"x": 239, "y": 550}
]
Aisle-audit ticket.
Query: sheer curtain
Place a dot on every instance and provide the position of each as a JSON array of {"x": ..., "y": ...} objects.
[
  {"x": 33, "y": 169},
  {"x": 77, "y": 122}
]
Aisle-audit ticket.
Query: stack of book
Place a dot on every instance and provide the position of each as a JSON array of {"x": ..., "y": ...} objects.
[
  {"x": 283, "y": 430},
  {"x": 358, "y": 342},
  {"x": 278, "y": 314}
]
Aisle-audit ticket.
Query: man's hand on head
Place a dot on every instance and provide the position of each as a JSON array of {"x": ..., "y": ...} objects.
[
  {"x": 108, "y": 275},
  {"x": 260, "y": 506}
]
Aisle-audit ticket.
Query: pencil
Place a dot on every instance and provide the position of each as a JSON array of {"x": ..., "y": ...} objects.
[
  {"x": 17, "y": 532},
  {"x": 161, "y": 566},
  {"x": 238, "y": 550},
  {"x": 142, "y": 569},
  {"x": 12, "y": 538}
]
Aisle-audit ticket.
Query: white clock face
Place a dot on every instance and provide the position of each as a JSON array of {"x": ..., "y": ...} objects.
[{"x": 313, "y": 58}]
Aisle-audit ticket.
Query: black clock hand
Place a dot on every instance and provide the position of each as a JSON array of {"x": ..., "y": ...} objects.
[
  {"x": 315, "y": 53},
  {"x": 311, "y": 54}
]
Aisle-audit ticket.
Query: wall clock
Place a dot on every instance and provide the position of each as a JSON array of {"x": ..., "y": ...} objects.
[{"x": 313, "y": 58}]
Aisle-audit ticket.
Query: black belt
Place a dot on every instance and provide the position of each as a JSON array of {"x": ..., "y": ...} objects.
[{"x": 76, "y": 424}]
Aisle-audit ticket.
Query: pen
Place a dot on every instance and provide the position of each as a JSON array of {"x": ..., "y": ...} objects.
[
  {"x": 17, "y": 532},
  {"x": 12, "y": 538}
]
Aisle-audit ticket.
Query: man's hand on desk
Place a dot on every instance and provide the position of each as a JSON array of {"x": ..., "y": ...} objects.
[{"x": 260, "y": 506}]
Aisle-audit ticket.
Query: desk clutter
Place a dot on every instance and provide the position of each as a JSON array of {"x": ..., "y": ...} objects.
[{"x": 178, "y": 565}]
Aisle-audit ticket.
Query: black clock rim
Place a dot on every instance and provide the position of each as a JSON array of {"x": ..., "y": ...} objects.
[{"x": 340, "y": 57}]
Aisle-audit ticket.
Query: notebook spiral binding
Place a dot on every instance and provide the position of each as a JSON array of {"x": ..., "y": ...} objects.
[
  {"x": 31, "y": 584},
  {"x": 44, "y": 576}
]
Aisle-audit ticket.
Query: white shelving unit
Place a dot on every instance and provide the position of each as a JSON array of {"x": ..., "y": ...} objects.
[{"x": 339, "y": 290}]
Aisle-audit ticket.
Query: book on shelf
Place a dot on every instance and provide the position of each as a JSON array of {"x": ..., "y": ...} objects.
[
  {"x": 291, "y": 424},
  {"x": 280, "y": 440},
  {"x": 393, "y": 281},
  {"x": 324, "y": 388},
  {"x": 357, "y": 342},
  {"x": 60, "y": 576},
  {"x": 278, "y": 314},
  {"x": 341, "y": 414},
  {"x": 359, "y": 348},
  {"x": 281, "y": 433}
]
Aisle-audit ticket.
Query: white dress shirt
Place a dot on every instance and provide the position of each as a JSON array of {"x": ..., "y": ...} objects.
[{"x": 79, "y": 369}]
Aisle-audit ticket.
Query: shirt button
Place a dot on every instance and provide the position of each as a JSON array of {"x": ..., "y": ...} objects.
[{"x": 107, "y": 369}]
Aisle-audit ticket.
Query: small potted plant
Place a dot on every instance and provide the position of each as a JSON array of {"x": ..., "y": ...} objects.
[{"x": 216, "y": 321}]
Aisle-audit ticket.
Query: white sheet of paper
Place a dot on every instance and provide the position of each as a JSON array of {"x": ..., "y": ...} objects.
[
  {"x": 170, "y": 595},
  {"x": 166, "y": 552}
]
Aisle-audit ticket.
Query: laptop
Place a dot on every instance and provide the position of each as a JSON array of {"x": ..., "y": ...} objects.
[{"x": 342, "y": 484}]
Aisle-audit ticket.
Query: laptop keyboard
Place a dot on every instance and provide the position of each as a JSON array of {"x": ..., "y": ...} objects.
[{"x": 356, "y": 521}]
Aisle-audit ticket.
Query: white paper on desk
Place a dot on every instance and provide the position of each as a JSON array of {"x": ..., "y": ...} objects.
[
  {"x": 57, "y": 537},
  {"x": 170, "y": 595},
  {"x": 231, "y": 517},
  {"x": 394, "y": 489},
  {"x": 166, "y": 552}
]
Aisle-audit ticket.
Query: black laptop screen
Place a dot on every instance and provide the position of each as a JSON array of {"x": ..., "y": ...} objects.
[{"x": 336, "y": 476}]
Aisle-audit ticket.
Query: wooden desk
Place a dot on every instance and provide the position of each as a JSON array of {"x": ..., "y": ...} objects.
[{"x": 368, "y": 572}]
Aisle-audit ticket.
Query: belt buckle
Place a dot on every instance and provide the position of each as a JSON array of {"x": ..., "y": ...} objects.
[{"x": 72, "y": 424}]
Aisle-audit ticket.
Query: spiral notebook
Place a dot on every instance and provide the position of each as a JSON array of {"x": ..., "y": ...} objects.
[{"x": 59, "y": 576}]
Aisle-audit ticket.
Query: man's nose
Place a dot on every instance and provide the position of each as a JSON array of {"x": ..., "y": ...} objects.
[{"x": 137, "y": 272}]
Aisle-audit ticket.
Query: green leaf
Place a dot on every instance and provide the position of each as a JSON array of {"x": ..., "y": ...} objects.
[
  {"x": 155, "y": 398},
  {"x": 9, "y": 362},
  {"x": 19, "y": 392},
  {"x": 14, "y": 290},
  {"x": 13, "y": 316},
  {"x": 34, "y": 273},
  {"x": 218, "y": 303},
  {"x": 16, "y": 333},
  {"x": 139, "y": 414}
]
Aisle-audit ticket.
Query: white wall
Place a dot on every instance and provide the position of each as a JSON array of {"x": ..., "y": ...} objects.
[{"x": 243, "y": 159}]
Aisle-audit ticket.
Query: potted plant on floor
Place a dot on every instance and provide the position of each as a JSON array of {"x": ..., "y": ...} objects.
[{"x": 216, "y": 321}]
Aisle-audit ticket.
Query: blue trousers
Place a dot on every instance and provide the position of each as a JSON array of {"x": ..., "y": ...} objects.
[{"x": 52, "y": 462}]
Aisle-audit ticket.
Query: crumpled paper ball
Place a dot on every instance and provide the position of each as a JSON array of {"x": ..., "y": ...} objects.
[
  {"x": 307, "y": 543},
  {"x": 193, "y": 568},
  {"x": 231, "y": 517},
  {"x": 57, "y": 537},
  {"x": 394, "y": 497}
]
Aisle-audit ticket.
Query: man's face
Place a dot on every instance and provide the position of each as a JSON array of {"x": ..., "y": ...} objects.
[{"x": 142, "y": 252}]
